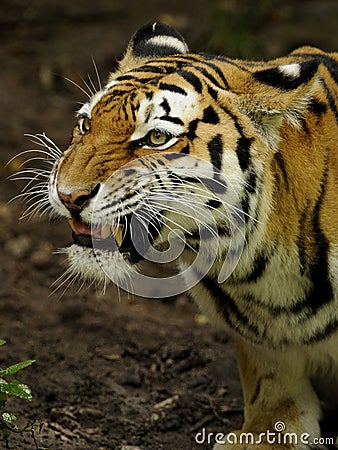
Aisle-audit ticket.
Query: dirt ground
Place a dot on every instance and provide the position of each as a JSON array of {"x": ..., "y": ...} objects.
[{"x": 113, "y": 373}]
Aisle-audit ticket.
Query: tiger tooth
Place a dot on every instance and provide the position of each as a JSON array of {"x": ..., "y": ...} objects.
[
  {"x": 118, "y": 234},
  {"x": 105, "y": 231},
  {"x": 71, "y": 224}
]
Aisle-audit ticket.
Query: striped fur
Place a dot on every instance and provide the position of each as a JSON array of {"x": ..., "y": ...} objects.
[{"x": 271, "y": 129}]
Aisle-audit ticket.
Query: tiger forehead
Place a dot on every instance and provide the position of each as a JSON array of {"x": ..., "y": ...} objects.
[{"x": 133, "y": 100}]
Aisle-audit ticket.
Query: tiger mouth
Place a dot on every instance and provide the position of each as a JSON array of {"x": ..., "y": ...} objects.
[
  {"x": 128, "y": 237},
  {"x": 106, "y": 237}
]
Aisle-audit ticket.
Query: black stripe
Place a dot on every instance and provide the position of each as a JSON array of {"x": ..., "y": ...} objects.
[
  {"x": 277, "y": 79},
  {"x": 302, "y": 241},
  {"x": 213, "y": 204},
  {"x": 151, "y": 50},
  {"x": 243, "y": 143},
  {"x": 230, "y": 312},
  {"x": 317, "y": 107},
  {"x": 243, "y": 150},
  {"x": 186, "y": 149},
  {"x": 304, "y": 125},
  {"x": 149, "y": 68},
  {"x": 329, "y": 329},
  {"x": 124, "y": 110},
  {"x": 259, "y": 266},
  {"x": 250, "y": 188},
  {"x": 251, "y": 183},
  {"x": 124, "y": 78},
  {"x": 331, "y": 101},
  {"x": 330, "y": 63},
  {"x": 279, "y": 160},
  {"x": 321, "y": 292},
  {"x": 245, "y": 207},
  {"x": 176, "y": 120},
  {"x": 171, "y": 156},
  {"x": 165, "y": 106},
  {"x": 219, "y": 73},
  {"x": 210, "y": 116},
  {"x": 133, "y": 113},
  {"x": 191, "y": 134},
  {"x": 209, "y": 77},
  {"x": 213, "y": 93},
  {"x": 215, "y": 148},
  {"x": 191, "y": 79},
  {"x": 172, "y": 88},
  {"x": 300, "y": 309}
]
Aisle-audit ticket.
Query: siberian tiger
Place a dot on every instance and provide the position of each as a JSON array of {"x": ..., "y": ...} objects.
[{"x": 269, "y": 130}]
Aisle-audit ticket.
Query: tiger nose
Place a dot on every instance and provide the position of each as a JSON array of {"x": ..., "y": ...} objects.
[{"x": 77, "y": 200}]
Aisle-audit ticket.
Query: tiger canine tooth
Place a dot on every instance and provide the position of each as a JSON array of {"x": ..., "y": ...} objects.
[
  {"x": 118, "y": 234},
  {"x": 105, "y": 231},
  {"x": 71, "y": 224}
]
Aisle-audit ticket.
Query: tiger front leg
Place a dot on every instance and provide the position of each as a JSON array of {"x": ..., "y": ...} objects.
[{"x": 282, "y": 411}]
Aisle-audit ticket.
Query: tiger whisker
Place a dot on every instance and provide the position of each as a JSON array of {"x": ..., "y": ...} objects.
[
  {"x": 97, "y": 74},
  {"x": 78, "y": 86},
  {"x": 43, "y": 140},
  {"x": 69, "y": 276},
  {"x": 94, "y": 90},
  {"x": 88, "y": 87},
  {"x": 164, "y": 222},
  {"x": 29, "y": 195},
  {"x": 181, "y": 213},
  {"x": 35, "y": 208},
  {"x": 239, "y": 211},
  {"x": 194, "y": 206}
]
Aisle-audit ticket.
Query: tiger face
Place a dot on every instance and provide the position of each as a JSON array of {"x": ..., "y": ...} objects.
[{"x": 139, "y": 129}]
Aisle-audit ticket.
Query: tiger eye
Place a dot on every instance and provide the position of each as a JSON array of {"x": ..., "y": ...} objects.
[
  {"x": 158, "y": 137},
  {"x": 84, "y": 124}
]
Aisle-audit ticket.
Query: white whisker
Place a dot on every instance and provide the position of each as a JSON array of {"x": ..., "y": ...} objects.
[
  {"x": 97, "y": 74},
  {"x": 94, "y": 90},
  {"x": 78, "y": 86},
  {"x": 88, "y": 87}
]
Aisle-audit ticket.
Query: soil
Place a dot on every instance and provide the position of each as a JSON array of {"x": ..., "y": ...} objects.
[{"x": 111, "y": 372}]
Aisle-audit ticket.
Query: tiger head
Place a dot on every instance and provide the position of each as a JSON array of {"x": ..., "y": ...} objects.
[{"x": 140, "y": 143}]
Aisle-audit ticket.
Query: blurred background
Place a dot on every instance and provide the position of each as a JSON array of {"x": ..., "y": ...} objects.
[
  {"x": 43, "y": 41},
  {"x": 104, "y": 368}
]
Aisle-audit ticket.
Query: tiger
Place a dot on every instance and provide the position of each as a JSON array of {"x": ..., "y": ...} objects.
[{"x": 268, "y": 130}]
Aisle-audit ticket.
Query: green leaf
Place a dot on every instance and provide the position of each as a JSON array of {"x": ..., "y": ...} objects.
[
  {"x": 16, "y": 367},
  {"x": 9, "y": 417},
  {"x": 17, "y": 389},
  {"x": 2, "y": 342}
]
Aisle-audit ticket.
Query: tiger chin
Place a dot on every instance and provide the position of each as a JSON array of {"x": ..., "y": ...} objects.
[{"x": 270, "y": 129}]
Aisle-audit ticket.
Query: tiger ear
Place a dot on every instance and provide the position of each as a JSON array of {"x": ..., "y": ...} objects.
[
  {"x": 279, "y": 93},
  {"x": 153, "y": 40}
]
